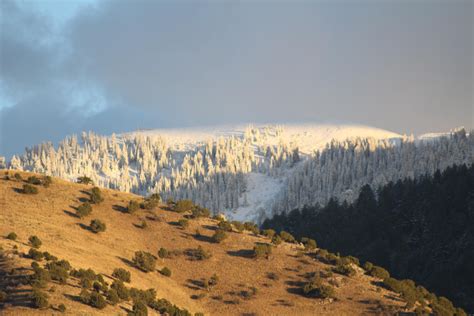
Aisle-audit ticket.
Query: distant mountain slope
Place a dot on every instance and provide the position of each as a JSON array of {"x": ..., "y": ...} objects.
[
  {"x": 418, "y": 229},
  {"x": 248, "y": 173},
  {"x": 244, "y": 285}
]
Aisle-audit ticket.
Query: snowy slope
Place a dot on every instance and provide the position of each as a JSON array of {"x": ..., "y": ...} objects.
[
  {"x": 262, "y": 188},
  {"x": 248, "y": 172}
]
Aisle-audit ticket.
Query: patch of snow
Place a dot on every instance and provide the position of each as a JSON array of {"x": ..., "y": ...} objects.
[{"x": 261, "y": 191}]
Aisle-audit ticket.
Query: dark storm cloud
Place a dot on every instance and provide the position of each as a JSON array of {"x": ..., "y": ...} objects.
[
  {"x": 24, "y": 58},
  {"x": 404, "y": 66},
  {"x": 27, "y": 72},
  {"x": 401, "y": 65},
  {"x": 51, "y": 94}
]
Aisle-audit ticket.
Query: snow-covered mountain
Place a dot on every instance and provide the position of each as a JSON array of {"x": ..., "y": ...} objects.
[
  {"x": 248, "y": 172},
  {"x": 307, "y": 137}
]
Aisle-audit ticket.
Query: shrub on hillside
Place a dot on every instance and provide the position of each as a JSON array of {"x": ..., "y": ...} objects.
[
  {"x": 350, "y": 259},
  {"x": 132, "y": 207},
  {"x": 121, "y": 274},
  {"x": 97, "y": 300},
  {"x": 57, "y": 271},
  {"x": 409, "y": 291},
  {"x": 225, "y": 226},
  {"x": 96, "y": 196},
  {"x": 213, "y": 280},
  {"x": 143, "y": 224},
  {"x": 252, "y": 227},
  {"x": 112, "y": 297},
  {"x": 262, "y": 250},
  {"x": 268, "y": 233},
  {"x": 61, "y": 263},
  {"x": 35, "y": 254},
  {"x": 145, "y": 296},
  {"x": 273, "y": 276},
  {"x": 379, "y": 272},
  {"x": 248, "y": 294},
  {"x": 33, "y": 180},
  {"x": 154, "y": 197},
  {"x": 85, "y": 180},
  {"x": 344, "y": 269},
  {"x": 86, "y": 277},
  {"x": 40, "y": 277},
  {"x": 219, "y": 236},
  {"x": 35, "y": 242},
  {"x": 93, "y": 299},
  {"x": 122, "y": 291},
  {"x": 99, "y": 287},
  {"x": 83, "y": 210},
  {"x": 144, "y": 261},
  {"x": 163, "y": 253},
  {"x": 315, "y": 288},
  {"x": 276, "y": 240},
  {"x": 443, "y": 306},
  {"x": 170, "y": 203},
  {"x": 286, "y": 236},
  {"x": 183, "y": 223},
  {"x": 62, "y": 308},
  {"x": 17, "y": 176},
  {"x": 163, "y": 306},
  {"x": 138, "y": 309},
  {"x": 47, "y": 181},
  {"x": 198, "y": 254},
  {"x": 29, "y": 189},
  {"x": 151, "y": 202},
  {"x": 199, "y": 211},
  {"x": 97, "y": 226},
  {"x": 368, "y": 266},
  {"x": 84, "y": 296},
  {"x": 309, "y": 244},
  {"x": 183, "y": 206},
  {"x": 219, "y": 217},
  {"x": 85, "y": 283},
  {"x": 322, "y": 253},
  {"x": 328, "y": 257},
  {"x": 239, "y": 226},
  {"x": 166, "y": 271},
  {"x": 12, "y": 236},
  {"x": 40, "y": 299},
  {"x": 49, "y": 257}
]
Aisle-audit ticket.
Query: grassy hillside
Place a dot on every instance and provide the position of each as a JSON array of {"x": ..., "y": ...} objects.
[{"x": 270, "y": 285}]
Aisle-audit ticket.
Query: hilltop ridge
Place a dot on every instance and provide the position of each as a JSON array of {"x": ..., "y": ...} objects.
[
  {"x": 249, "y": 173},
  {"x": 247, "y": 286}
]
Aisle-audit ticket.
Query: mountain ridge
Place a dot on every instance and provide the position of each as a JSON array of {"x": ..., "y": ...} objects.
[
  {"x": 228, "y": 173},
  {"x": 302, "y": 134}
]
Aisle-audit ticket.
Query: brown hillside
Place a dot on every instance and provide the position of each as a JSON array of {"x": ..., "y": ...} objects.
[{"x": 50, "y": 215}]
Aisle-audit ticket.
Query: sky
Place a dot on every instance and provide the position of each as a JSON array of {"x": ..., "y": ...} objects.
[{"x": 115, "y": 66}]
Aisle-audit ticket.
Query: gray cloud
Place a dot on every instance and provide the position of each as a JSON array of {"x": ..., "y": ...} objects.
[
  {"x": 51, "y": 93},
  {"x": 403, "y": 66}
]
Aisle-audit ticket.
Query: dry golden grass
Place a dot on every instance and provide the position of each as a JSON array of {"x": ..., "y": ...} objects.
[{"x": 49, "y": 215}]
